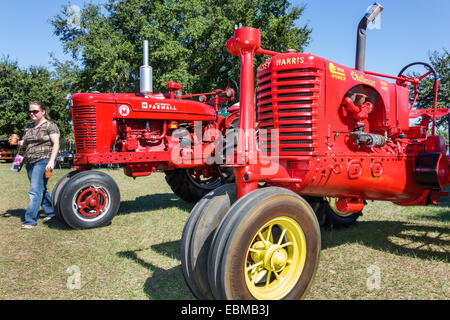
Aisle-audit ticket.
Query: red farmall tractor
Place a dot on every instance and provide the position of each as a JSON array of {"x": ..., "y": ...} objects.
[
  {"x": 142, "y": 133},
  {"x": 333, "y": 138}
]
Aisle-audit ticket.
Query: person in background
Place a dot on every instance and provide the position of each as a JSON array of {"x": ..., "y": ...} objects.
[{"x": 41, "y": 144}]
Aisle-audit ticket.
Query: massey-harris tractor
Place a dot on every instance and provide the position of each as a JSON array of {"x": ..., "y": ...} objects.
[
  {"x": 142, "y": 133},
  {"x": 334, "y": 135}
]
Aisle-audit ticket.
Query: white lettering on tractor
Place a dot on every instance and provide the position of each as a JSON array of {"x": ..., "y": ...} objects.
[{"x": 162, "y": 106}]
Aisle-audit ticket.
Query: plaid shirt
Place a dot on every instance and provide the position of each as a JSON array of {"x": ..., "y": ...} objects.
[{"x": 37, "y": 143}]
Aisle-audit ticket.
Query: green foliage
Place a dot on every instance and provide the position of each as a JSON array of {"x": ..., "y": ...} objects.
[
  {"x": 186, "y": 40},
  {"x": 20, "y": 86},
  {"x": 443, "y": 133}
]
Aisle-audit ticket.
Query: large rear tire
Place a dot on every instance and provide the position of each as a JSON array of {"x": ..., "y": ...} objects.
[
  {"x": 332, "y": 217},
  {"x": 197, "y": 235},
  {"x": 266, "y": 247},
  {"x": 316, "y": 204},
  {"x": 190, "y": 185},
  {"x": 90, "y": 199}
]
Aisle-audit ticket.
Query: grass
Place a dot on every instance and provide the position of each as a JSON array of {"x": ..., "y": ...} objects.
[{"x": 391, "y": 253}]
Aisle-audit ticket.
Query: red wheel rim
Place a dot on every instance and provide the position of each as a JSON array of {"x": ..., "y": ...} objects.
[{"x": 91, "y": 201}]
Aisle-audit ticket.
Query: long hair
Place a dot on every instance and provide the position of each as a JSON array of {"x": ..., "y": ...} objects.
[{"x": 42, "y": 107}]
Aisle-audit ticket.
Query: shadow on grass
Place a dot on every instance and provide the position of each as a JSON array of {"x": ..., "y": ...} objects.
[
  {"x": 151, "y": 202},
  {"x": 141, "y": 204},
  {"x": 400, "y": 238},
  {"x": 57, "y": 224},
  {"x": 14, "y": 213},
  {"x": 20, "y": 213},
  {"x": 164, "y": 283}
]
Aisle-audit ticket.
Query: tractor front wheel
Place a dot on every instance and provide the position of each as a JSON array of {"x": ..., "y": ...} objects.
[
  {"x": 267, "y": 246},
  {"x": 56, "y": 193},
  {"x": 197, "y": 234},
  {"x": 90, "y": 199}
]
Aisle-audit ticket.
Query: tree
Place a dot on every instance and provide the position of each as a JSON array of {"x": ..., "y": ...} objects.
[
  {"x": 20, "y": 86},
  {"x": 13, "y": 82},
  {"x": 186, "y": 40},
  {"x": 441, "y": 64}
]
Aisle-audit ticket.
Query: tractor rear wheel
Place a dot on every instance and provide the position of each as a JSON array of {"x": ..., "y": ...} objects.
[
  {"x": 267, "y": 246},
  {"x": 190, "y": 184},
  {"x": 330, "y": 216},
  {"x": 90, "y": 199},
  {"x": 316, "y": 204},
  {"x": 197, "y": 234}
]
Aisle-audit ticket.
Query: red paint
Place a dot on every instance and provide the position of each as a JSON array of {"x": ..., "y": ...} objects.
[
  {"x": 307, "y": 100},
  {"x": 136, "y": 131}
]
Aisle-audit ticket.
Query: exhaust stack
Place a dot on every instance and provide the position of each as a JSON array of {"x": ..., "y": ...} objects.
[
  {"x": 146, "y": 81},
  {"x": 370, "y": 15}
]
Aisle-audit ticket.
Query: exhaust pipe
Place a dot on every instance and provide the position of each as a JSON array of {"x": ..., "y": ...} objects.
[
  {"x": 370, "y": 15},
  {"x": 448, "y": 124},
  {"x": 146, "y": 81}
]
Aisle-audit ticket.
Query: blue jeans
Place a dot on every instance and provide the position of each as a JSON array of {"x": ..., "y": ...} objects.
[{"x": 38, "y": 193}]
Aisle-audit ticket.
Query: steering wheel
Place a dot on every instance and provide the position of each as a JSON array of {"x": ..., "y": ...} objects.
[
  {"x": 232, "y": 84},
  {"x": 419, "y": 93}
]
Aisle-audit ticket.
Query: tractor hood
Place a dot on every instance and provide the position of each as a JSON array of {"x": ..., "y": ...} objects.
[{"x": 154, "y": 106}]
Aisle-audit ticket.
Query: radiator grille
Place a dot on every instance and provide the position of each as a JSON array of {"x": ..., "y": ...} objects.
[
  {"x": 288, "y": 100},
  {"x": 84, "y": 119}
]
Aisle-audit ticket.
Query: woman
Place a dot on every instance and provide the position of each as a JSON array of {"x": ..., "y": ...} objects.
[{"x": 41, "y": 143}]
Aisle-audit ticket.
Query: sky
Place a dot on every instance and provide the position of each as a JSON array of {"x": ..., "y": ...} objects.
[{"x": 408, "y": 31}]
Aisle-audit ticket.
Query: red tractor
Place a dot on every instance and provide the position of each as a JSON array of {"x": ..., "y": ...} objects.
[
  {"x": 329, "y": 136},
  {"x": 142, "y": 133}
]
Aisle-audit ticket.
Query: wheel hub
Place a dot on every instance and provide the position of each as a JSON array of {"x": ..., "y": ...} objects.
[
  {"x": 93, "y": 202},
  {"x": 272, "y": 256},
  {"x": 278, "y": 260}
]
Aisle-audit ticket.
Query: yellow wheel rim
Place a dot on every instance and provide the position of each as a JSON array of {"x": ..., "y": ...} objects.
[
  {"x": 332, "y": 203},
  {"x": 275, "y": 259}
]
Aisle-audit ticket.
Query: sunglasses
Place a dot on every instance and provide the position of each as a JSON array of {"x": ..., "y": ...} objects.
[{"x": 34, "y": 111}]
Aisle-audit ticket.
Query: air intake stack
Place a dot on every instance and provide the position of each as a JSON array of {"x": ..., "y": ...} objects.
[{"x": 370, "y": 15}]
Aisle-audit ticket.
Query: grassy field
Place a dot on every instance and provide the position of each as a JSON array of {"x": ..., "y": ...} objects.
[{"x": 391, "y": 253}]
